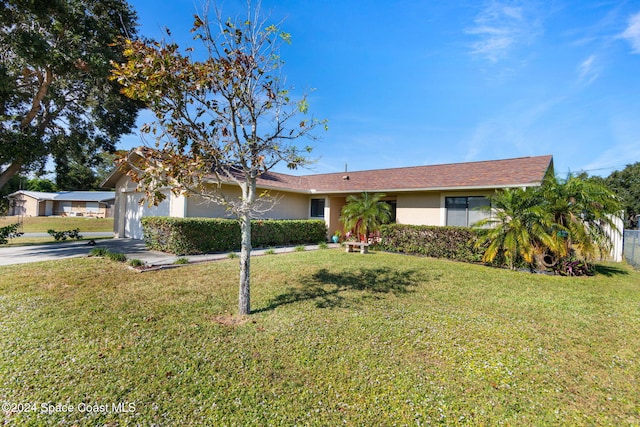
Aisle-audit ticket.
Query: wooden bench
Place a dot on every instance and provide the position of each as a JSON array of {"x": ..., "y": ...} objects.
[{"x": 351, "y": 247}]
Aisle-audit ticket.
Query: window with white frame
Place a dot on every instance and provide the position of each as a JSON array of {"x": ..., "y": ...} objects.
[{"x": 465, "y": 211}]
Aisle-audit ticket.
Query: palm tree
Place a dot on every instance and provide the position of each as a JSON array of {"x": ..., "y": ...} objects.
[
  {"x": 586, "y": 209},
  {"x": 558, "y": 217},
  {"x": 365, "y": 214},
  {"x": 519, "y": 228}
]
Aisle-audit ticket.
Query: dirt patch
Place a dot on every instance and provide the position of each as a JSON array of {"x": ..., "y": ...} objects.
[{"x": 230, "y": 320}]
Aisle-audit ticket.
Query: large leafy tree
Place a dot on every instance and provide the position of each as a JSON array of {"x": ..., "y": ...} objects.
[
  {"x": 41, "y": 184},
  {"x": 225, "y": 118},
  {"x": 86, "y": 172},
  {"x": 55, "y": 95},
  {"x": 365, "y": 213},
  {"x": 626, "y": 184},
  {"x": 75, "y": 175}
]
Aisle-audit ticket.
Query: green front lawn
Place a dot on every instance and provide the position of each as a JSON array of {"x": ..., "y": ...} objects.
[
  {"x": 41, "y": 224},
  {"x": 336, "y": 339}
]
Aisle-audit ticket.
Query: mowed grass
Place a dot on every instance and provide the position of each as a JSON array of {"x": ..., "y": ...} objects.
[
  {"x": 335, "y": 339},
  {"x": 42, "y": 224}
]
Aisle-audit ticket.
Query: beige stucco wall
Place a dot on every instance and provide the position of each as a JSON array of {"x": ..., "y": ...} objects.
[
  {"x": 428, "y": 208},
  {"x": 291, "y": 206},
  {"x": 200, "y": 208},
  {"x": 336, "y": 203},
  {"x": 418, "y": 209},
  {"x": 287, "y": 206},
  {"x": 27, "y": 206}
]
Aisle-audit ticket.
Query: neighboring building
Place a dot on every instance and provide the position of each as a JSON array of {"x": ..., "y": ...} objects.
[
  {"x": 96, "y": 204},
  {"x": 420, "y": 195}
]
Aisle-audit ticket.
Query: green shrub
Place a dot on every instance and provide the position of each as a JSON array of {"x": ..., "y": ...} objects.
[
  {"x": 455, "y": 243},
  {"x": 113, "y": 256},
  {"x": 270, "y": 251},
  {"x": 136, "y": 262},
  {"x": 181, "y": 260},
  {"x": 116, "y": 256},
  {"x": 98, "y": 252},
  {"x": 232, "y": 255},
  {"x": 300, "y": 248},
  {"x": 186, "y": 236},
  {"x": 323, "y": 245},
  {"x": 9, "y": 232},
  {"x": 63, "y": 235}
]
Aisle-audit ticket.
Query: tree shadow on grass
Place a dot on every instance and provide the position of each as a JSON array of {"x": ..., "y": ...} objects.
[
  {"x": 330, "y": 289},
  {"x": 610, "y": 270}
]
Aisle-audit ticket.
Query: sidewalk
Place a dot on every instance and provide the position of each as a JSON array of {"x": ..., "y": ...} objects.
[{"x": 133, "y": 249}]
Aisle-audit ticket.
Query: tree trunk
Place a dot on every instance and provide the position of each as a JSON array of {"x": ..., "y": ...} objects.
[
  {"x": 244, "y": 298},
  {"x": 6, "y": 175},
  {"x": 248, "y": 197}
]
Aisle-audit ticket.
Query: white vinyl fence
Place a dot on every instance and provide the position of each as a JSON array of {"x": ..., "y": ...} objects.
[
  {"x": 616, "y": 239},
  {"x": 632, "y": 247}
]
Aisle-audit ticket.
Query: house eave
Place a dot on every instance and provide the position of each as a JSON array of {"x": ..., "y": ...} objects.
[
  {"x": 112, "y": 179},
  {"x": 304, "y": 185},
  {"x": 423, "y": 189}
]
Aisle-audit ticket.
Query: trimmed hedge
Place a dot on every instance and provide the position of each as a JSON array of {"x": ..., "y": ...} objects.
[
  {"x": 456, "y": 243},
  {"x": 189, "y": 236}
]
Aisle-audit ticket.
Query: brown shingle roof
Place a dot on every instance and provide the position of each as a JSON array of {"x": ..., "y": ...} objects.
[{"x": 523, "y": 171}]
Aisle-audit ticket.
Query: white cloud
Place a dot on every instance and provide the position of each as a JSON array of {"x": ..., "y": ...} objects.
[
  {"x": 500, "y": 27},
  {"x": 513, "y": 132},
  {"x": 588, "y": 70},
  {"x": 482, "y": 139},
  {"x": 632, "y": 33}
]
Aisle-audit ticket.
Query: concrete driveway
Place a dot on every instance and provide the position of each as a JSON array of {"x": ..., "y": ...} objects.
[{"x": 35, "y": 253}]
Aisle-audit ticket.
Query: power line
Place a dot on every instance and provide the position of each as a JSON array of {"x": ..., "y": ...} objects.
[{"x": 598, "y": 169}]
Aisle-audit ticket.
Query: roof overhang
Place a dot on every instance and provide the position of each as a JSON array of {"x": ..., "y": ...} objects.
[
  {"x": 415, "y": 190},
  {"x": 38, "y": 196},
  {"x": 308, "y": 185},
  {"x": 119, "y": 171},
  {"x": 60, "y": 196}
]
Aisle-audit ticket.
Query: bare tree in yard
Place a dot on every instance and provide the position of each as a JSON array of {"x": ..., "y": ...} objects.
[{"x": 223, "y": 119}]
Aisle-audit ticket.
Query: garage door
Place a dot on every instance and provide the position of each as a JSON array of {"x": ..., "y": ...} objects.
[{"x": 134, "y": 211}]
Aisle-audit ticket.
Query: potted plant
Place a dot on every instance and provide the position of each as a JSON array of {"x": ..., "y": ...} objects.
[{"x": 336, "y": 236}]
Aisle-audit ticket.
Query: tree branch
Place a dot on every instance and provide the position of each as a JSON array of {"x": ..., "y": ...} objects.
[
  {"x": 13, "y": 169},
  {"x": 45, "y": 82}
]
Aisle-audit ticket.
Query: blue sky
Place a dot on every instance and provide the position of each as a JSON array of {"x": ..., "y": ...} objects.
[{"x": 406, "y": 83}]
